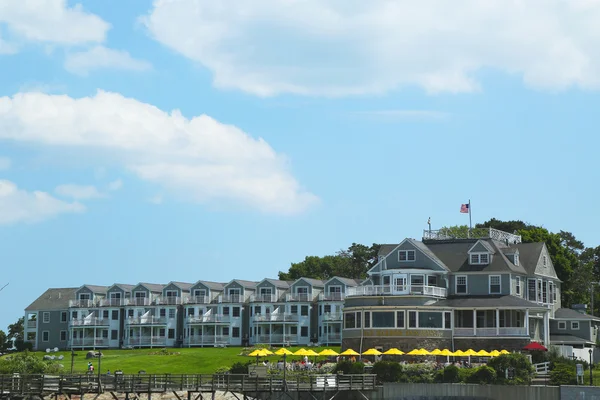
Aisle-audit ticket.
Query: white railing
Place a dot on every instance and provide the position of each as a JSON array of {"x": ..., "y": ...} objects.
[
  {"x": 279, "y": 317},
  {"x": 263, "y": 298},
  {"x": 169, "y": 300},
  {"x": 298, "y": 297},
  {"x": 88, "y": 342},
  {"x": 231, "y": 298},
  {"x": 197, "y": 300},
  {"x": 333, "y": 316},
  {"x": 89, "y": 322},
  {"x": 146, "y": 341},
  {"x": 110, "y": 302},
  {"x": 146, "y": 321},
  {"x": 405, "y": 290},
  {"x": 32, "y": 323},
  {"x": 206, "y": 340},
  {"x": 138, "y": 301},
  {"x": 276, "y": 338},
  {"x": 475, "y": 233},
  {"x": 81, "y": 303},
  {"x": 215, "y": 318},
  {"x": 542, "y": 368},
  {"x": 490, "y": 332},
  {"x": 331, "y": 296}
]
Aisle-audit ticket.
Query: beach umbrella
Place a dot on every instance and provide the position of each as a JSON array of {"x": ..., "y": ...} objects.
[
  {"x": 424, "y": 352},
  {"x": 284, "y": 352},
  {"x": 459, "y": 353},
  {"x": 504, "y": 352},
  {"x": 415, "y": 352},
  {"x": 328, "y": 352},
  {"x": 436, "y": 352},
  {"x": 494, "y": 353},
  {"x": 470, "y": 352},
  {"x": 393, "y": 352},
  {"x": 301, "y": 352},
  {"x": 535, "y": 346},
  {"x": 349, "y": 352},
  {"x": 311, "y": 352},
  {"x": 260, "y": 353},
  {"x": 446, "y": 352},
  {"x": 482, "y": 353},
  {"x": 371, "y": 352}
]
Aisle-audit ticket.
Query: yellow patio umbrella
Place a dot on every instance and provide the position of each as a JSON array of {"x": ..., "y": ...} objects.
[
  {"x": 417, "y": 352},
  {"x": 482, "y": 353},
  {"x": 301, "y": 352},
  {"x": 349, "y": 352},
  {"x": 311, "y": 353},
  {"x": 328, "y": 352},
  {"x": 283, "y": 352},
  {"x": 446, "y": 352},
  {"x": 504, "y": 352},
  {"x": 393, "y": 352},
  {"x": 459, "y": 353},
  {"x": 260, "y": 353},
  {"x": 371, "y": 352},
  {"x": 470, "y": 352},
  {"x": 494, "y": 353},
  {"x": 436, "y": 352},
  {"x": 424, "y": 352}
]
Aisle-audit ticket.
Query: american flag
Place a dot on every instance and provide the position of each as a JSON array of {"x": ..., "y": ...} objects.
[{"x": 464, "y": 208}]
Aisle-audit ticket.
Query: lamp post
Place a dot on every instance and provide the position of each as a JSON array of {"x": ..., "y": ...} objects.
[
  {"x": 591, "y": 365},
  {"x": 99, "y": 366},
  {"x": 72, "y": 359}
]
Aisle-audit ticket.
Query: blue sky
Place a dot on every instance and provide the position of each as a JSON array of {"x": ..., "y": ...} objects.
[{"x": 186, "y": 140}]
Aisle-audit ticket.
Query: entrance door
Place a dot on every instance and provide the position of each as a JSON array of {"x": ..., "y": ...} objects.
[{"x": 400, "y": 284}]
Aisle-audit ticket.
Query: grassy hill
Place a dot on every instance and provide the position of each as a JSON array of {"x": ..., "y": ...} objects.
[{"x": 159, "y": 361}]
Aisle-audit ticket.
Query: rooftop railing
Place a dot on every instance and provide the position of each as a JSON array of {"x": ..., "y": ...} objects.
[
  {"x": 391, "y": 290},
  {"x": 474, "y": 233}
]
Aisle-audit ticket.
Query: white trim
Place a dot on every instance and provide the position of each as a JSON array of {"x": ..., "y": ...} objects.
[
  {"x": 437, "y": 262},
  {"x": 479, "y": 256},
  {"x": 484, "y": 244},
  {"x": 406, "y": 255},
  {"x": 499, "y": 284},
  {"x": 518, "y": 285},
  {"x": 48, "y": 338},
  {"x": 573, "y": 323},
  {"x": 564, "y": 325},
  {"x": 66, "y": 336},
  {"x": 456, "y": 284},
  {"x": 44, "y": 319}
]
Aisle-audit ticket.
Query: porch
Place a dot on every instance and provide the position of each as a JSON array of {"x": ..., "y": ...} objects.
[{"x": 491, "y": 323}]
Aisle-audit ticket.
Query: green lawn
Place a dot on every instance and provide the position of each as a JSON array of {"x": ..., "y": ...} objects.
[{"x": 189, "y": 360}]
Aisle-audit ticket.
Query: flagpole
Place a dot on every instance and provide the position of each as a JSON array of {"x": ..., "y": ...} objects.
[{"x": 470, "y": 226}]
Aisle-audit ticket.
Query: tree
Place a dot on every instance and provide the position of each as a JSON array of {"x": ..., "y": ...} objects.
[
  {"x": 353, "y": 262},
  {"x": 3, "y": 340},
  {"x": 15, "y": 331}
]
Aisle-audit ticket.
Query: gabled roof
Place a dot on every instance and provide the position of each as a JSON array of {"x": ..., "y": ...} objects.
[
  {"x": 485, "y": 244},
  {"x": 122, "y": 286},
  {"x": 427, "y": 251},
  {"x": 181, "y": 285},
  {"x": 53, "y": 299},
  {"x": 529, "y": 254},
  {"x": 212, "y": 285},
  {"x": 243, "y": 283},
  {"x": 345, "y": 281},
  {"x": 568, "y": 313},
  {"x": 277, "y": 283},
  {"x": 95, "y": 288},
  {"x": 386, "y": 249},
  {"x": 422, "y": 247},
  {"x": 310, "y": 281},
  {"x": 153, "y": 287}
]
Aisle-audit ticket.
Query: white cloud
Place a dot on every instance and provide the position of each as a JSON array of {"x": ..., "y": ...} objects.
[
  {"x": 102, "y": 57},
  {"x": 78, "y": 192},
  {"x": 317, "y": 47},
  {"x": 52, "y": 21},
  {"x": 17, "y": 205},
  {"x": 199, "y": 159},
  {"x": 6, "y": 48},
  {"x": 5, "y": 163},
  {"x": 115, "y": 185}
]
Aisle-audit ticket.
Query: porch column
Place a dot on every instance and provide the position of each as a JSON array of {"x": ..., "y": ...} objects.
[
  {"x": 474, "y": 322},
  {"x": 547, "y": 328},
  {"x": 497, "y": 322},
  {"x": 526, "y": 323}
]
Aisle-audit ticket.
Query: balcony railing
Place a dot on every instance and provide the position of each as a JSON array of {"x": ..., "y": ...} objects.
[
  {"x": 114, "y": 302},
  {"x": 276, "y": 338},
  {"x": 279, "y": 317},
  {"x": 405, "y": 290},
  {"x": 331, "y": 296},
  {"x": 298, "y": 297},
  {"x": 138, "y": 301},
  {"x": 89, "y": 322},
  {"x": 31, "y": 323},
  {"x": 332, "y": 316},
  {"x": 263, "y": 298},
  {"x": 88, "y": 342},
  {"x": 146, "y": 341},
  {"x": 331, "y": 338},
  {"x": 146, "y": 321},
  {"x": 208, "y": 319},
  {"x": 169, "y": 300},
  {"x": 490, "y": 332},
  {"x": 197, "y": 300},
  {"x": 231, "y": 298},
  {"x": 475, "y": 233},
  {"x": 206, "y": 340},
  {"x": 81, "y": 303}
]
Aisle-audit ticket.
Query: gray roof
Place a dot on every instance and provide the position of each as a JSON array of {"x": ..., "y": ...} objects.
[
  {"x": 153, "y": 287},
  {"x": 567, "y": 339},
  {"x": 568, "y": 313},
  {"x": 386, "y": 249},
  {"x": 212, "y": 285},
  {"x": 312, "y": 282},
  {"x": 123, "y": 286},
  {"x": 426, "y": 250},
  {"x": 245, "y": 284},
  {"x": 96, "y": 288},
  {"x": 529, "y": 254},
  {"x": 346, "y": 281},
  {"x": 277, "y": 283},
  {"x": 486, "y": 302},
  {"x": 182, "y": 285},
  {"x": 53, "y": 299},
  {"x": 453, "y": 253}
]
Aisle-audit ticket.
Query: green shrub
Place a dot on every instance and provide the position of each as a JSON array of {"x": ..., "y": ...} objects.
[
  {"x": 387, "y": 371},
  {"x": 438, "y": 376},
  {"x": 451, "y": 374},
  {"x": 464, "y": 374},
  {"x": 349, "y": 367},
  {"x": 417, "y": 373},
  {"x": 482, "y": 375},
  {"x": 239, "y": 368},
  {"x": 563, "y": 374},
  {"x": 523, "y": 370},
  {"x": 357, "y": 368},
  {"x": 27, "y": 363}
]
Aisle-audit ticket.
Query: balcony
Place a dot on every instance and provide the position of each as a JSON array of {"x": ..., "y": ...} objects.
[
  {"x": 331, "y": 338},
  {"x": 279, "y": 317},
  {"x": 81, "y": 303},
  {"x": 110, "y": 302},
  {"x": 405, "y": 290},
  {"x": 31, "y": 323},
  {"x": 231, "y": 298},
  {"x": 490, "y": 332},
  {"x": 146, "y": 341},
  {"x": 146, "y": 321},
  {"x": 332, "y": 296},
  {"x": 208, "y": 319},
  {"x": 89, "y": 322},
  {"x": 276, "y": 338},
  {"x": 197, "y": 300},
  {"x": 332, "y": 317},
  {"x": 88, "y": 342},
  {"x": 169, "y": 300},
  {"x": 263, "y": 298},
  {"x": 206, "y": 340},
  {"x": 302, "y": 297},
  {"x": 138, "y": 301}
]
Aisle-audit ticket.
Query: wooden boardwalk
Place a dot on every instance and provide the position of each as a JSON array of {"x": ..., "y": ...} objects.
[{"x": 24, "y": 386}]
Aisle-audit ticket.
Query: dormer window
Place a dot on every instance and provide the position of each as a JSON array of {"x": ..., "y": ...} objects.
[
  {"x": 480, "y": 259},
  {"x": 406, "y": 255},
  {"x": 516, "y": 262}
]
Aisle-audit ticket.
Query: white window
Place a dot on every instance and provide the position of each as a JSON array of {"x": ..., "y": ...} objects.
[
  {"x": 46, "y": 317},
  {"x": 562, "y": 325},
  {"x": 461, "y": 284},
  {"x": 575, "y": 325},
  {"x": 518, "y": 286},
  {"x": 480, "y": 259},
  {"x": 171, "y": 313},
  {"x": 531, "y": 292},
  {"x": 171, "y": 293},
  {"x": 84, "y": 296},
  {"x": 516, "y": 260},
  {"x": 495, "y": 284},
  {"x": 406, "y": 255},
  {"x": 199, "y": 292},
  {"x": 45, "y": 336}
]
